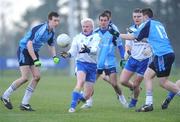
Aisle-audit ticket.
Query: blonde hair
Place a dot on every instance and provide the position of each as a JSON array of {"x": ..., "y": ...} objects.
[{"x": 87, "y": 20}]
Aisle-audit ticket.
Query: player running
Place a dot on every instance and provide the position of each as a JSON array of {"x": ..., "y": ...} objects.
[
  {"x": 117, "y": 42},
  {"x": 139, "y": 54},
  {"x": 106, "y": 57},
  {"x": 163, "y": 59},
  {"x": 29, "y": 62}
]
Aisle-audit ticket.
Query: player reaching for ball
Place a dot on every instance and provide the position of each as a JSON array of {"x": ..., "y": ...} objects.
[
  {"x": 29, "y": 61},
  {"x": 84, "y": 48}
]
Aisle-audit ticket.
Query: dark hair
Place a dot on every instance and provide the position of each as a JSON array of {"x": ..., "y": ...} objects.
[
  {"x": 103, "y": 15},
  {"x": 137, "y": 10},
  {"x": 52, "y": 14},
  {"x": 148, "y": 12},
  {"x": 108, "y": 12}
]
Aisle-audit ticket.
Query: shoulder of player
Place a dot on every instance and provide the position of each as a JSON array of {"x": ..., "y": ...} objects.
[
  {"x": 156, "y": 22},
  {"x": 40, "y": 25},
  {"x": 133, "y": 28},
  {"x": 96, "y": 30},
  {"x": 78, "y": 36},
  {"x": 40, "y": 28},
  {"x": 114, "y": 27}
]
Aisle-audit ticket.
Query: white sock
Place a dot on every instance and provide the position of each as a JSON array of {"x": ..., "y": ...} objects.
[
  {"x": 9, "y": 91},
  {"x": 149, "y": 98},
  {"x": 89, "y": 101},
  {"x": 27, "y": 95},
  {"x": 178, "y": 93},
  {"x": 122, "y": 99}
]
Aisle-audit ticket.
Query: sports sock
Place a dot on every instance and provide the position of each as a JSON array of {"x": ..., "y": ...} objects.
[
  {"x": 171, "y": 95},
  {"x": 75, "y": 97},
  {"x": 28, "y": 93},
  {"x": 122, "y": 99},
  {"x": 9, "y": 91},
  {"x": 89, "y": 102},
  {"x": 149, "y": 98},
  {"x": 133, "y": 101},
  {"x": 178, "y": 93}
]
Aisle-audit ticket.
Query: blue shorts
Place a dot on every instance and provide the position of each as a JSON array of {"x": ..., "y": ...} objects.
[
  {"x": 162, "y": 64},
  {"x": 89, "y": 69},
  {"x": 24, "y": 58},
  {"x": 107, "y": 71},
  {"x": 137, "y": 66}
]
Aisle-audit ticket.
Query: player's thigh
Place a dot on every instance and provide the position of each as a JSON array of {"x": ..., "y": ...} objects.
[
  {"x": 125, "y": 75},
  {"x": 137, "y": 80},
  {"x": 25, "y": 71},
  {"x": 149, "y": 74},
  {"x": 35, "y": 71},
  {"x": 81, "y": 76}
]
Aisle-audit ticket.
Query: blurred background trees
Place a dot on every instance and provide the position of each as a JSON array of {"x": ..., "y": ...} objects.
[{"x": 167, "y": 11}]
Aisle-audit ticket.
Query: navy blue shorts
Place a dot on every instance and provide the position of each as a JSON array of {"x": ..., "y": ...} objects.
[
  {"x": 162, "y": 64},
  {"x": 107, "y": 71},
  {"x": 24, "y": 58}
]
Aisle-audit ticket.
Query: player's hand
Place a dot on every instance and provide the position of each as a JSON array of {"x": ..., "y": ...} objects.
[
  {"x": 56, "y": 59},
  {"x": 114, "y": 32},
  {"x": 122, "y": 63},
  {"x": 84, "y": 49},
  {"x": 65, "y": 54},
  {"x": 37, "y": 63}
]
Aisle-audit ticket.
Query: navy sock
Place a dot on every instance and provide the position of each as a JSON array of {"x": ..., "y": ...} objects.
[
  {"x": 133, "y": 101},
  {"x": 171, "y": 95}
]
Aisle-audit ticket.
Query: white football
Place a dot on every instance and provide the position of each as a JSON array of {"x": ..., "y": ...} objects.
[{"x": 63, "y": 40}]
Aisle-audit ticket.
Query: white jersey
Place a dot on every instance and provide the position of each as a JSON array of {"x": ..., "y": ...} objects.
[
  {"x": 91, "y": 41},
  {"x": 140, "y": 50}
]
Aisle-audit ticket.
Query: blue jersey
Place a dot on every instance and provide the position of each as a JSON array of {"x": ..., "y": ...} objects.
[
  {"x": 156, "y": 36},
  {"x": 38, "y": 35},
  {"x": 106, "y": 56},
  {"x": 119, "y": 40}
]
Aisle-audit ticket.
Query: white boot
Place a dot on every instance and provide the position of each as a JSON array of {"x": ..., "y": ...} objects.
[
  {"x": 123, "y": 101},
  {"x": 88, "y": 104}
]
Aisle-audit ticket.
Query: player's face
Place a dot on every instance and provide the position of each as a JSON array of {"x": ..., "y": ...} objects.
[
  {"x": 103, "y": 22},
  {"x": 137, "y": 18},
  {"x": 54, "y": 22},
  {"x": 87, "y": 28}
]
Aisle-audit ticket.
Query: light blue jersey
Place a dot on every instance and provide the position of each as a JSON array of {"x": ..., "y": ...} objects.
[
  {"x": 38, "y": 35},
  {"x": 156, "y": 36},
  {"x": 106, "y": 56}
]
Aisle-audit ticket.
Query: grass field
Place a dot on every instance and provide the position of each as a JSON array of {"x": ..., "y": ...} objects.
[{"x": 52, "y": 99}]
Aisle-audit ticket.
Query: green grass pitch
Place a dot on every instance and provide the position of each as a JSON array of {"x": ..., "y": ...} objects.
[{"x": 52, "y": 99}]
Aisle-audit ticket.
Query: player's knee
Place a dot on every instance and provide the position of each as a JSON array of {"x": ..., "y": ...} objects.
[
  {"x": 114, "y": 85},
  {"x": 37, "y": 77},
  {"x": 163, "y": 83},
  {"x": 24, "y": 79},
  {"x": 136, "y": 85},
  {"x": 124, "y": 83}
]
